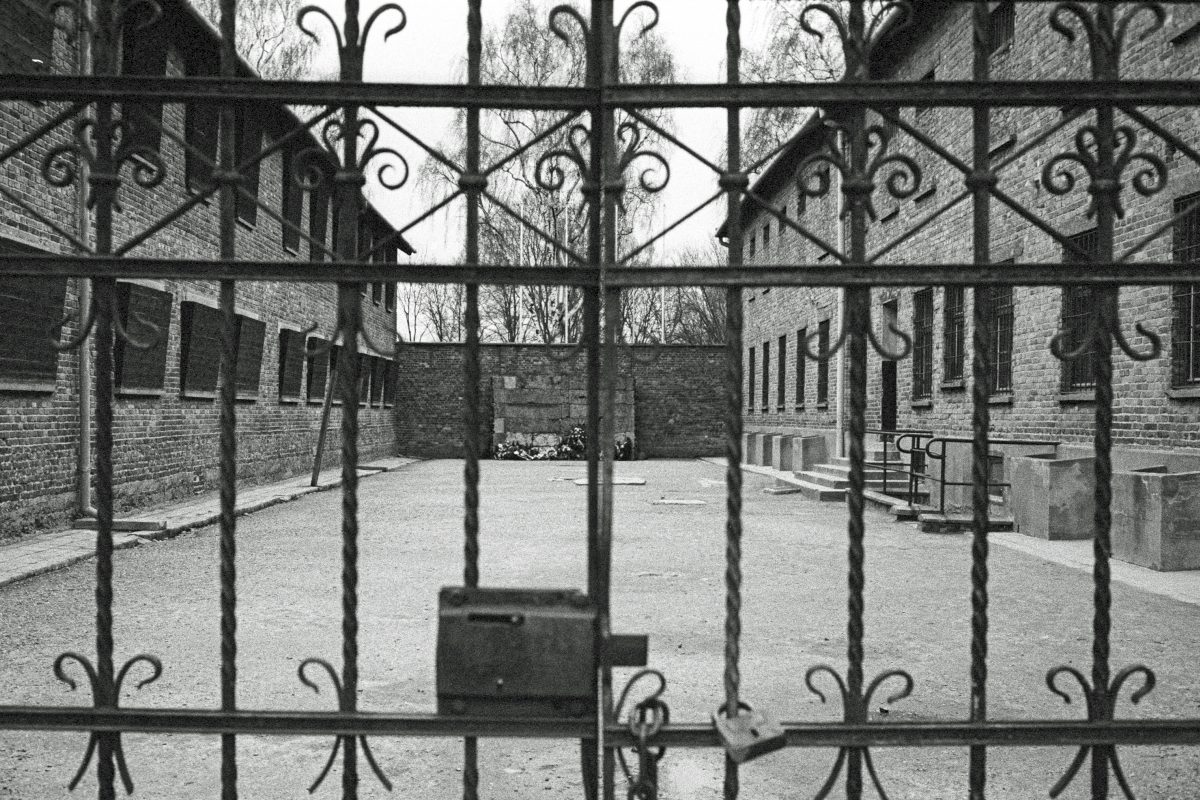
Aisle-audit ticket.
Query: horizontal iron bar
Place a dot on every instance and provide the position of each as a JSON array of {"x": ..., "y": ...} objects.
[
  {"x": 1142, "y": 273},
  {"x": 799, "y": 734},
  {"x": 49, "y": 88}
]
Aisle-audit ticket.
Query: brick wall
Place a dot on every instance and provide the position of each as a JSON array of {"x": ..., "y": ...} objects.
[
  {"x": 1147, "y": 413},
  {"x": 678, "y": 400},
  {"x": 166, "y": 444}
]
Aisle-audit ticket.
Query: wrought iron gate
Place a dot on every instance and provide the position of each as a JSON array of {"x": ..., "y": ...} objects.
[{"x": 102, "y": 160}]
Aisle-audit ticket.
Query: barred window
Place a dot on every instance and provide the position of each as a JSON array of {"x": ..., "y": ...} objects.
[
  {"x": 998, "y": 311},
  {"x": 766, "y": 236},
  {"x": 291, "y": 365},
  {"x": 801, "y": 363},
  {"x": 317, "y": 358},
  {"x": 823, "y": 363},
  {"x": 750, "y": 375},
  {"x": 144, "y": 52},
  {"x": 248, "y": 140},
  {"x": 1185, "y": 317},
  {"x": 30, "y": 308},
  {"x": 953, "y": 334},
  {"x": 1001, "y": 26},
  {"x": 1078, "y": 303},
  {"x": 781, "y": 374},
  {"x": 292, "y": 200},
  {"x": 141, "y": 370},
  {"x": 922, "y": 350},
  {"x": 766, "y": 375}
]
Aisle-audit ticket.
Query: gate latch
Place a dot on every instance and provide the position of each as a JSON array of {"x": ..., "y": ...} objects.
[
  {"x": 749, "y": 734},
  {"x": 521, "y": 652}
]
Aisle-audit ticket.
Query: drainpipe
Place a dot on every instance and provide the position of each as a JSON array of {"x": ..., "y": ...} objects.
[
  {"x": 839, "y": 392},
  {"x": 83, "y": 486}
]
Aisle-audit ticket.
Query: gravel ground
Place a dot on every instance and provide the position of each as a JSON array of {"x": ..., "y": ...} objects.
[{"x": 668, "y": 582}]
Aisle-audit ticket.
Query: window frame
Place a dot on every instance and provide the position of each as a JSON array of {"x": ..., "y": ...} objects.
[
  {"x": 954, "y": 335},
  {"x": 922, "y": 347},
  {"x": 1185, "y": 297},
  {"x": 1075, "y": 318}
]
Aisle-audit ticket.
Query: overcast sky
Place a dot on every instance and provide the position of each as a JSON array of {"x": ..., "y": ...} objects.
[{"x": 432, "y": 49}]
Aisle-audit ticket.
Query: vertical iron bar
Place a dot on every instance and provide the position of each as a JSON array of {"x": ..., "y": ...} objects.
[
  {"x": 858, "y": 315},
  {"x": 980, "y": 181},
  {"x": 228, "y": 420},
  {"x": 1105, "y": 188},
  {"x": 604, "y": 167},
  {"x": 349, "y": 182},
  {"x": 736, "y": 183},
  {"x": 471, "y": 370},
  {"x": 103, "y": 186}
]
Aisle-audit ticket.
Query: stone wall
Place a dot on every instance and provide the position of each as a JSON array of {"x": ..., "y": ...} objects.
[{"x": 677, "y": 400}]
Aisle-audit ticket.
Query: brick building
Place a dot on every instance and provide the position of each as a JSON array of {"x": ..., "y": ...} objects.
[
  {"x": 1033, "y": 394},
  {"x": 166, "y": 416}
]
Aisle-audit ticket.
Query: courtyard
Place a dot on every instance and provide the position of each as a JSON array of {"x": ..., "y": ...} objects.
[{"x": 668, "y": 583}]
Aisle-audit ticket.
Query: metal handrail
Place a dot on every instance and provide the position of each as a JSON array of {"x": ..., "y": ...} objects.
[
  {"x": 901, "y": 435},
  {"x": 940, "y": 455}
]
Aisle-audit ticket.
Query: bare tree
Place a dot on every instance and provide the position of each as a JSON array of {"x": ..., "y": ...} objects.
[
  {"x": 696, "y": 314},
  {"x": 267, "y": 36},
  {"x": 533, "y": 183},
  {"x": 793, "y": 54},
  {"x": 442, "y": 308}
]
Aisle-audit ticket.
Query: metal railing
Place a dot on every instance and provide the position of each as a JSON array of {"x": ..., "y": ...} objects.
[
  {"x": 935, "y": 449},
  {"x": 907, "y": 442}
]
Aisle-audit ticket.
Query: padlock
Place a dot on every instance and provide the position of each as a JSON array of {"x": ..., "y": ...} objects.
[{"x": 749, "y": 734}]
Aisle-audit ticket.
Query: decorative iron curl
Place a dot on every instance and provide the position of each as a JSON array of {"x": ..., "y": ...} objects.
[
  {"x": 60, "y": 165},
  {"x": 550, "y": 176},
  {"x": 337, "y": 742},
  {"x": 856, "y": 48},
  {"x": 98, "y": 702},
  {"x": 565, "y": 10},
  {"x": 378, "y": 349},
  {"x": 853, "y": 706},
  {"x": 85, "y": 330},
  {"x": 324, "y": 347},
  {"x": 1094, "y": 333},
  {"x": 372, "y": 151},
  {"x": 646, "y": 719},
  {"x": 1101, "y": 704},
  {"x": 1155, "y": 344},
  {"x": 1147, "y": 181},
  {"x": 1099, "y": 44},
  {"x": 361, "y": 43},
  {"x": 813, "y": 355},
  {"x": 906, "y": 343},
  {"x": 631, "y": 135},
  {"x": 902, "y": 182}
]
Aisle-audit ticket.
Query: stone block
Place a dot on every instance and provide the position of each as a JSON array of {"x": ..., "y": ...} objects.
[
  {"x": 754, "y": 448},
  {"x": 781, "y": 452},
  {"x": 1054, "y": 498},
  {"x": 765, "y": 453},
  {"x": 746, "y": 448},
  {"x": 807, "y": 452},
  {"x": 1156, "y": 518}
]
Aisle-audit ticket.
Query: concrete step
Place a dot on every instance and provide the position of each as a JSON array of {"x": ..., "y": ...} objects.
[
  {"x": 935, "y": 522},
  {"x": 835, "y": 480},
  {"x": 899, "y": 507}
]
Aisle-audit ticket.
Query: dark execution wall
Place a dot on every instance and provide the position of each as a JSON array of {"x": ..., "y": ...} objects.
[{"x": 677, "y": 394}]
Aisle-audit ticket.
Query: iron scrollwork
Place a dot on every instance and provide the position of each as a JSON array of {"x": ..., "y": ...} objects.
[
  {"x": 105, "y": 697},
  {"x": 343, "y": 705},
  {"x": 1101, "y": 703}
]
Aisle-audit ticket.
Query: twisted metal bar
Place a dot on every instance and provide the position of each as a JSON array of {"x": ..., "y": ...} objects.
[
  {"x": 733, "y": 183},
  {"x": 979, "y": 182},
  {"x": 227, "y": 195}
]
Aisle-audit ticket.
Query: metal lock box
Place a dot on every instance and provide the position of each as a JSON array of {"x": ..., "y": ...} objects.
[{"x": 516, "y": 652}]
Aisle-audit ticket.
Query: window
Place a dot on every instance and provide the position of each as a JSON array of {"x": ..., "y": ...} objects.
[
  {"x": 377, "y": 293},
  {"x": 30, "y": 307},
  {"x": 922, "y": 350},
  {"x": 318, "y": 221},
  {"x": 823, "y": 364},
  {"x": 1078, "y": 303},
  {"x": 144, "y": 52},
  {"x": 781, "y": 374},
  {"x": 766, "y": 376},
  {"x": 292, "y": 202},
  {"x": 247, "y": 138},
  {"x": 782, "y": 224},
  {"x": 766, "y": 236},
  {"x": 250, "y": 335},
  {"x": 200, "y": 349},
  {"x": 389, "y": 296},
  {"x": 801, "y": 200},
  {"x": 26, "y": 39},
  {"x": 801, "y": 362},
  {"x": 142, "y": 370},
  {"x": 752, "y": 245},
  {"x": 953, "y": 334},
  {"x": 998, "y": 312},
  {"x": 1001, "y": 25},
  {"x": 389, "y": 383},
  {"x": 364, "y": 378},
  {"x": 751, "y": 375},
  {"x": 378, "y": 380},
  {"x": 291, "y": 365},
  {"x": 1185, "y": 316},
  {"x": 318, "y": 358}
]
